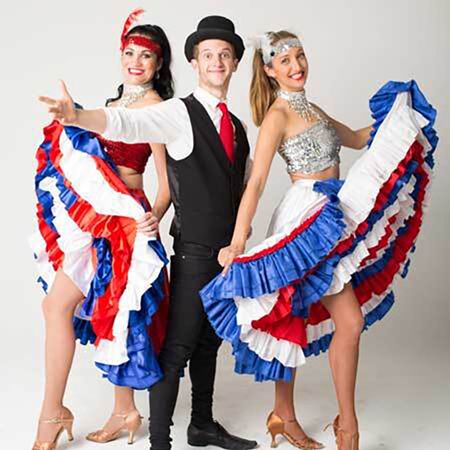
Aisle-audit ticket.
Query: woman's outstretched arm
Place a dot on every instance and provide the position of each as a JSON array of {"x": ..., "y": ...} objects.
[
  {"x": 164, "y": 122},
  {"x": 64, "y": 111}
]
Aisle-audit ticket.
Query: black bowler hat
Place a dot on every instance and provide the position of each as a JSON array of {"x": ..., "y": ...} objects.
[{"x": 214, "y": 27}]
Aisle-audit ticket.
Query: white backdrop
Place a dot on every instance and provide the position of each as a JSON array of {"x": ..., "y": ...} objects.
[{"x": 353, "y": 46}]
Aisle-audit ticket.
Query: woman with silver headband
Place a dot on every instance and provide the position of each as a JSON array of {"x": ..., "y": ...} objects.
[
  {"x": 325, "y": 271},
  {"x": 98, "y": 254}
]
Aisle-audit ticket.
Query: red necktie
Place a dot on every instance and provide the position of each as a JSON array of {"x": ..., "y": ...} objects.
[{"x": 226, "y": 131}]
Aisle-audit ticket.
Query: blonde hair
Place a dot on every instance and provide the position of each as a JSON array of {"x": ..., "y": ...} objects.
[{"x": 263, "y": 87}]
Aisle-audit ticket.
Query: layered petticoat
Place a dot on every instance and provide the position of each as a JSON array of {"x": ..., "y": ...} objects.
[
  {"x": 325, "y": 234},
  {"x": 86, "y": 227}
]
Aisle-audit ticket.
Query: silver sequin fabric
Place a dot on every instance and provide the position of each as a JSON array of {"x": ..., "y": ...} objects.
[{"x": 312, "y": 150}]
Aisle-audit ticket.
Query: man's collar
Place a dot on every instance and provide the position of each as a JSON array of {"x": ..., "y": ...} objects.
[{"x": 207, "y": 98}]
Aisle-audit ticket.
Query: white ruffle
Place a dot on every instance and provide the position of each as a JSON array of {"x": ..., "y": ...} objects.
[
  {"x": 81, "y": 169},
  {"x": 262, "y": 343},
  {"x": 393, "y": 140},
  {"x": 250, "y": 309},
  {"x": 269, "y": 348}
]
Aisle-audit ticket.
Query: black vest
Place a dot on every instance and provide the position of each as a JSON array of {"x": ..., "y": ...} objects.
[{"x": 206, "y": 187}]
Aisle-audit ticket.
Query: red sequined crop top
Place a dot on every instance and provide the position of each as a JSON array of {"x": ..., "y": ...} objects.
[{"x": 134, "y": 156}]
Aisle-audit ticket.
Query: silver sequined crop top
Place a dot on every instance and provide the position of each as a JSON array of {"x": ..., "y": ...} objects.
[{"x": 312, "y": 150}]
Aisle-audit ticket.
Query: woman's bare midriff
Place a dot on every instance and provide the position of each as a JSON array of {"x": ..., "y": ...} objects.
[
  {"x": 131, "y": 178},
  {"x": 330, "y": 172}
]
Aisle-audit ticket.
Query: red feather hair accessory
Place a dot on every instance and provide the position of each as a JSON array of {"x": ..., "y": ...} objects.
[
  {"x": 142, "y": 41},
  {"x": 131, "y": 19}
]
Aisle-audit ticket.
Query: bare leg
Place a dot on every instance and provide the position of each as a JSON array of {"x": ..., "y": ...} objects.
[
  {"x": 123, "y": 404},
  {"x": 58, "y": 307},
  {"x": 343, "y": 353},
  {"x": 284, "y": 407}
]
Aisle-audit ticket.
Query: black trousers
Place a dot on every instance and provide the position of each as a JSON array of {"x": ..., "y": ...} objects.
[{"x": 190, "y": 337}]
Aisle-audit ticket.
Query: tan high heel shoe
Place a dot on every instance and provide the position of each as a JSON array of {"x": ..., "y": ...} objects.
[
  {"x": 131, "y": 423},
  {"x": 275, "y": 426},
  {"x": 65, "y": 421},
  {"x": 334, "y": 424},
  {"x": 344, "y": 439}
]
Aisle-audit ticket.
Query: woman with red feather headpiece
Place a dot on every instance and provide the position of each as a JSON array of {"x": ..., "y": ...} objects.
[{"x": 97, "y": 249}]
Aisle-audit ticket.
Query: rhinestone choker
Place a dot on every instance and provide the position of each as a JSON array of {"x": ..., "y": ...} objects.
[
  {"x": 299, "y": 103},
  {"x": 133, "y": 92}
]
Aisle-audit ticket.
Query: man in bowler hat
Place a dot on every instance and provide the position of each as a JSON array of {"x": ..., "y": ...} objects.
[{"x": 207, "y": 158}]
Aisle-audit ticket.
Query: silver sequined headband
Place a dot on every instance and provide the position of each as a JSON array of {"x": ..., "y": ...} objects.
[{"x": 269, "y": 51}]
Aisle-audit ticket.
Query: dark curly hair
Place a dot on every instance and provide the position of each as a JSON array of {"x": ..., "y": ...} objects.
[{"x": 163, "y": 85}]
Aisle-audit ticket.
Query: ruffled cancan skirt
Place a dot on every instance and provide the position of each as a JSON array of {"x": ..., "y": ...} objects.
[
  {"x": 325, "y": 234},
  {"x": 87, "y": 228}
]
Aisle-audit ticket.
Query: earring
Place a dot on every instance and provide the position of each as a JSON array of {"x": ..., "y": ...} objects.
[{"x": 157, "y": 75}]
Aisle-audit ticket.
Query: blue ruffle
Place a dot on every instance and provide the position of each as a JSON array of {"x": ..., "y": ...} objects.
[
  {"x": 288, "y": 264},
  {"x": 246, "y": 361},
  {"x": 381, "y": 103},
  {"x": 142, "y": 370},
  {"x": 86, "y": 142},
  {"x": 43, "y": 284},
  {"x": 310, "y": 250},
  {"x": 45, "y": 198}
]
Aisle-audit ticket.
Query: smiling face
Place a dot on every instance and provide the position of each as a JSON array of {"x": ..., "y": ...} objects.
[
  {"x": 289, "y": 69},
  {"x": 215, "y": 62},
  {"x": 139, "y": 64}
]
